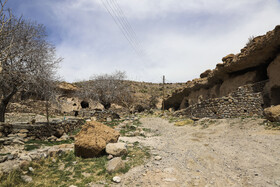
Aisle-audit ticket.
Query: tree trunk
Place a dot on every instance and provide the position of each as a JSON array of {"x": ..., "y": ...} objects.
[
  {"x": 4, "y": 104},
  {"x": 47, "y": 111},
  {"x": 3, "y": 107}
]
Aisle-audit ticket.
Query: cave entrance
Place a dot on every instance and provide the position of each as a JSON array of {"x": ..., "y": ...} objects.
[
  {"x": 76, "y": 113},
  {"x": 84, "y": 104},
  {"x": 275, "y": 96}
]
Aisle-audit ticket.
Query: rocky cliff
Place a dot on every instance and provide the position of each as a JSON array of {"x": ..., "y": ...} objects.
[{"x": 258, "y": 61}]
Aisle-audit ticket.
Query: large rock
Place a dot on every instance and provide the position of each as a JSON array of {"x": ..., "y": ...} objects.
[
  {"x": 272, "y": 113},
  {"x": 93, "y": 138},
  {"x": 115, "y": 164},
  {"x": 116, "y": 149}
]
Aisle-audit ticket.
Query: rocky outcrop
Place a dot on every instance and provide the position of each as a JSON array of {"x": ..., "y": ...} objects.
[
  {"x": 93, "y": 138},
  {"x": 257, "y": 62},
  {"x": 272, "y": 113},
  {"x": 273, "y": 86},
  {"x": 67, "y": 88}
]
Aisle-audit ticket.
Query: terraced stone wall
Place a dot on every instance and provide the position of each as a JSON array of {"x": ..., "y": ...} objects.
[{"x": 245, "y": 101}]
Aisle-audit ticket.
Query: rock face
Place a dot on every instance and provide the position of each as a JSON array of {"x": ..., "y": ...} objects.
[
  {"x": 116, "y": 149},
  {"x": 272, "y": 113},
  {"x": 257, "y": 62},
  {"x": 115, "y": 164},
  {"x": 273, "y": 86},
  {"x": 93, "y": 138}
]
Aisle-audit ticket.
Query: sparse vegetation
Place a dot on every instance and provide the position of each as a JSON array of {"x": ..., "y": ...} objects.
[
  {"x": 66, "y": 170},
  {"x": 36, "y": 144},
  {"x": 113, "y": 123},
  {"x": 271, "y": 125},
  {"x": 130, "y": 128},
  {"x": 250, "y": 41}
]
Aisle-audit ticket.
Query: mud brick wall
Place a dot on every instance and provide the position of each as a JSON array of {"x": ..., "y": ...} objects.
[{"x": 245, "y": 101}]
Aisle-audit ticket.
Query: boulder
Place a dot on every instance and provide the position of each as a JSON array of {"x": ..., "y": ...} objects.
[
  {"x": 116, "y": 149},
  {"x": 91, "y": 141},
  {"x": 58, "y": 133},
  {"x": 117, "y": 179},
  {"x": 272, "y": 113},
  {"x": 115, "y": 164},
  {"x": 63, "y": 137},
  {"x": 228, "y": 58},
  {"x": 205, "y": 73}
]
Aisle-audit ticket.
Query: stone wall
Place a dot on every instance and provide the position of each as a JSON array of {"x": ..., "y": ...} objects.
[
  {"x": 41, "y": 130},
  {"x": 245, "y": 101}
]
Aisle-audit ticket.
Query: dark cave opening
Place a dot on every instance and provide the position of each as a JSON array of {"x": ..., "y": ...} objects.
[
  {"x": 275, "y": 96},
  {"x": 84, "y": 104}
]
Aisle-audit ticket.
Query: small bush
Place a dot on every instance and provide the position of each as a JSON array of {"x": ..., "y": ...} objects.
[{"x": 250, "y": 41}]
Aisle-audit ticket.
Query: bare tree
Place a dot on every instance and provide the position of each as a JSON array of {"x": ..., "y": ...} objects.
[
  {"x": 107, "y": 89},
  {"x": 26, "y": 58}
]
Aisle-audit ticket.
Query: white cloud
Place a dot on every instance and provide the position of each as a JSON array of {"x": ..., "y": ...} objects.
[{"x": 181, "y": 38}]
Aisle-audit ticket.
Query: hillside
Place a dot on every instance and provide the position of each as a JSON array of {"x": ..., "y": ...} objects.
[{"x": 67, "y": 101}]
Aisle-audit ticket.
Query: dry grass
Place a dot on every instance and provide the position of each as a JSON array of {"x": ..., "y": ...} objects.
[{"x": 184, "y": 122}]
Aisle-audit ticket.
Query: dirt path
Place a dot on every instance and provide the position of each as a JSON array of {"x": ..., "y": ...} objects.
[{"x": 231, "y": 152}]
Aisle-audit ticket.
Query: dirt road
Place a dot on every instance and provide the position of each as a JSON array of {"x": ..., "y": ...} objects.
[{"x": 230, "y": 152}]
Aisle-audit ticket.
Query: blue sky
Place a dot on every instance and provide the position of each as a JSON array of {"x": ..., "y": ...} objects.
[{"x": 180, "y": 38}]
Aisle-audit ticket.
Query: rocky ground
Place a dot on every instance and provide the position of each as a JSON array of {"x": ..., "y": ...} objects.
[
  {"x": 227, "y": 152},
  {"x": 208, "y": 152}
]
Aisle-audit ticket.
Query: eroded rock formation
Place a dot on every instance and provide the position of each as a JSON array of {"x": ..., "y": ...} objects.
[{"x": 258, "y": 61}]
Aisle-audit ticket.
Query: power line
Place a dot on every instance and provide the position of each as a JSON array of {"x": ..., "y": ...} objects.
[
  {"x": 127, "y": 24},
  {"x": 117, "y": 23},
  {"x": 123, "y": 27}
]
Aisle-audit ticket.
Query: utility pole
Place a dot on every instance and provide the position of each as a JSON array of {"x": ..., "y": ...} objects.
[{"x": 163, "y": 93}]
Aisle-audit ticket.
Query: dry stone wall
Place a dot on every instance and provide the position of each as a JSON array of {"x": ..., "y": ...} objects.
[
  {"x": 245, "y": 101},
  {"x": 41, "y": 130}
]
